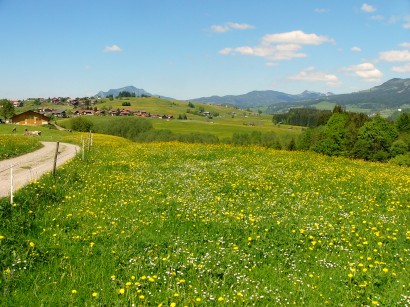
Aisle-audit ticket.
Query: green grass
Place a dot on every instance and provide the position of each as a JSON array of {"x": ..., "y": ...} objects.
[
  {"x": 223, "y": 126},
  {"x": 48, "y": 132},
  {"x": 197, "y": 225},
  {"x": 16, "y": 145}
]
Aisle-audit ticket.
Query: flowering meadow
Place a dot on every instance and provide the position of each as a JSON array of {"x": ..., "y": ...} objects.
[
  {"x": 171, "y": 224},
  {"x": 15, "y": 145}
]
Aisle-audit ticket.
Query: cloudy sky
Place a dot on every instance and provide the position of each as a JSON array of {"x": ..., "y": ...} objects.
[{"x": 194, "y": 48}]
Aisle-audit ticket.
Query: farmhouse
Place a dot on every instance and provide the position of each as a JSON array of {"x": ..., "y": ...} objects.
[{"x": 30, "y": 118}]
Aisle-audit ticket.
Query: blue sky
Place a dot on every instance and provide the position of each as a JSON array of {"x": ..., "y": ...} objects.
[{"x": 193, "y": 48}]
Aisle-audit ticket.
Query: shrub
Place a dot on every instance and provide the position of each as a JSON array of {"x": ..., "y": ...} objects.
[
  {"x": 127, "y": 127},
  {"x": 398, "y": 147},
  {"x": 403, "y": 160},
  {"x": 81, "y": 124}
]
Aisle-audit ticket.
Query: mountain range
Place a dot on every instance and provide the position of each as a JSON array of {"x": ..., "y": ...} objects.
[
  {"x": 115, "y": 92},
  {"x": 393, "y": 94},
  {"x": 261, "y": 98}
]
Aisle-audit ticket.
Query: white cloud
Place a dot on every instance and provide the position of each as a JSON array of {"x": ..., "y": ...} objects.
[
  {"x": 113, "y": 48},
  {"x": 231, "y": 26},
  {"x": 321, "y": 10},
  {"x": 312, "y": 75},
  {"x": 405, "y": 45},
  {"x": 377, "y": 17},
  {"x": 406, "y": 25},
  {"x": 367, "y": 8},
  {"x": 366, "y": 71},
  {"x": 272, "y": 53},
  {"x": 395, "y": 56},
  {"x": 279, "y": 46},
  {"x": 219, "y": 29},
  {"x": 296, "y": 37},
  {"x": 398, "y": 56},
  {"x": 402, "y": 69},
  {"x": 226, "y": 51},
  {"x": 356, "y": 49}
]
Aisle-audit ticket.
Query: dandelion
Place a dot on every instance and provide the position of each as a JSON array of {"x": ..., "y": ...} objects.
[
  {"x": 31, "y": 244},
  {"x": 121, "y": 291},
  {"x": 141, "y": 297},
  {"x": 220, "y": 299},
  {"x": 172, "y": 304},
  {"x": 94, "y": 294},
  {"x": 73, "y": 291},
  {"x": 385, "y": 270},
  {"x": 2, "y": 238}
]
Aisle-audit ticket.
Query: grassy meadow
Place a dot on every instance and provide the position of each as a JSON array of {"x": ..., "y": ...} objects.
[
  {"x": 172, "y": 224},
  {"x": 16, "y": 145}
]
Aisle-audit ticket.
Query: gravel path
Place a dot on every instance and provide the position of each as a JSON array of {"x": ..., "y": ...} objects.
[{"x": 32, "y": 166}]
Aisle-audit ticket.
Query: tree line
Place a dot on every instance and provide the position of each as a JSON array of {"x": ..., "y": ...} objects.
[{"x": 356, "y": 135}]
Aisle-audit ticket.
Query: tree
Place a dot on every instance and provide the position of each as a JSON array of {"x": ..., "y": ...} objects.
[
  {"x": 403, "y": 122},
  {"x": 81, "y": 124},
  {"x": 374, "y": 140},
  {"x": 6, "y": 109},
  {"x": 333, "y": 137},
  {"x": 337, "y": 109}
]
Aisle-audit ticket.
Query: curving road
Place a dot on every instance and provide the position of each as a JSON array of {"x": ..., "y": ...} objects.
[{"x": 32, "y": 166}]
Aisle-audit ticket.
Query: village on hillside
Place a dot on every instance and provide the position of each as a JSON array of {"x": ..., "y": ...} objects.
[{"x": 78, "y": 107}]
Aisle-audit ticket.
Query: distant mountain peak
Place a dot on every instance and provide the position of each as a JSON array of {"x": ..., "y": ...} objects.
[{"x": 115, "y": 92}]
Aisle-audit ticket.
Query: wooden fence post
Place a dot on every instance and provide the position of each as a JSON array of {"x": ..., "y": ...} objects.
[
  {"x": 11, "y": 184},
  {"x": 55, "y": 159}
]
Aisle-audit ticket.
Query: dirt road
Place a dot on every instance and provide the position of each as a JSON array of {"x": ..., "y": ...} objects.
[{"x": 32, "y": 166}]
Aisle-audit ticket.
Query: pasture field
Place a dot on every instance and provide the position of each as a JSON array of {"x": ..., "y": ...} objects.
[
  {"x": 222, "y": 127},
  {"x": 48, "y": 133},
  {"x": 16, "y": 145},
  {"x": 171, "y": 224}
]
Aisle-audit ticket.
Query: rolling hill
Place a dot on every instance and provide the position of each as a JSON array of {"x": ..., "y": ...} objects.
[
  {"x": 391, "y": 95},
  {"x": 259, "y": 98}
]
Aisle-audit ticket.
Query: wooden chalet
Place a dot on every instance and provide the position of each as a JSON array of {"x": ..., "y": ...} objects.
[{"x": 30, "y": 118}]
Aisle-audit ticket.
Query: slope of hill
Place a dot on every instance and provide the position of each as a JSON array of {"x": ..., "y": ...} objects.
[
  {"x": 391, "y": 95},
  {"x": 259, "y": 98}
]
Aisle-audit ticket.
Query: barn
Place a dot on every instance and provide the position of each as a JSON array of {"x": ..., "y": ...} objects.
[{"x": 30, "y": 118}]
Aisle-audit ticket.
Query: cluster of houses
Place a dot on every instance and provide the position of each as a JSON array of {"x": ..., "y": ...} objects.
[
  {"x": 43, "y": 116},
  {"x": 122, "y": 112}
]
